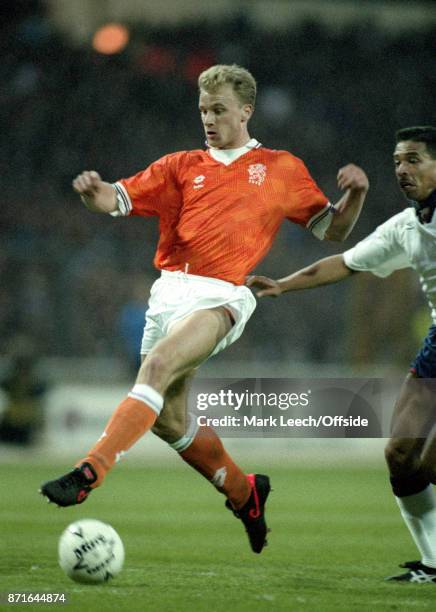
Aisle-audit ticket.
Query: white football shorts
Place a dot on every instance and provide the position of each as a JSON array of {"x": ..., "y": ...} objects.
[{"x": 176, "y": 295}]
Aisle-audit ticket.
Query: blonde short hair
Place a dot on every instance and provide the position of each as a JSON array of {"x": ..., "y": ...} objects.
[{"x": 242, "y": 81}]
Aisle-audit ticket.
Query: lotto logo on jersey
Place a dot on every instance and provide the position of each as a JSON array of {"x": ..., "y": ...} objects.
[
  {"x": 256, "y": 173},
  {"x": 198, "y": 181}
]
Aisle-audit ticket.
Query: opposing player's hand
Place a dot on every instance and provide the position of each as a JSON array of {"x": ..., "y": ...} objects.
[
  {"x": 352, "y": 177},
  {"x": 88, "y": 183},
  {"x": 267, "y": 286}
]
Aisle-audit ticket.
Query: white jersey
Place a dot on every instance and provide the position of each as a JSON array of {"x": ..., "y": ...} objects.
[{"x": 400, "y": 242}]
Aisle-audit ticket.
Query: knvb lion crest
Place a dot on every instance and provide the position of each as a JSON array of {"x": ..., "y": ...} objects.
[{"x": 256, "y": 173}]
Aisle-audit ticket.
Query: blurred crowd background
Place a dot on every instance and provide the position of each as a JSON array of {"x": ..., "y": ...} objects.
[{"x": 75, "y": 284}]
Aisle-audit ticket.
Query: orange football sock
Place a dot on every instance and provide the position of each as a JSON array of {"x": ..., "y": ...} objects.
[
  {"x": 208, "y": 456},
  {"x": 130, "y": 421}
]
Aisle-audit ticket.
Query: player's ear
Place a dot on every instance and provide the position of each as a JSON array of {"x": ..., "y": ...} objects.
[{"x": 247, "y": 111}]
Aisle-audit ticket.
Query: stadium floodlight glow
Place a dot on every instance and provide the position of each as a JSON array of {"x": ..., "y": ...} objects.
[{"x": 111, "y": 38}]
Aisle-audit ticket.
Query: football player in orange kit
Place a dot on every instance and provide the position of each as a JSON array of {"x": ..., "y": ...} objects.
[{"x": 219, "y": 210}]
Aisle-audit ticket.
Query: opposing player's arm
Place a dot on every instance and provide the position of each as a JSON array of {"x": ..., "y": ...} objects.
[
  {"x": 354, "y": 182},
  {"x": 97, "y": 195},
  {"x": 322, "y": 272}
]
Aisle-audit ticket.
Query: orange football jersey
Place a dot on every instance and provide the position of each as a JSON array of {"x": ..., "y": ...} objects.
[{"x": 220, "y": 220}]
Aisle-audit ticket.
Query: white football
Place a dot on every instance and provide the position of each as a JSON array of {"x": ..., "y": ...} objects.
[{"x": 90, "y": 551}]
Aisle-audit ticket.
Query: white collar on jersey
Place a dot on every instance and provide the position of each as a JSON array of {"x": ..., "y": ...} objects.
[{"x": 227, "y": 156}]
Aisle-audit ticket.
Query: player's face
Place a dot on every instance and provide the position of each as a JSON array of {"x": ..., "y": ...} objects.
[
  {"x": 415, "y": 169},
  {"x": 224, "y": 118}
]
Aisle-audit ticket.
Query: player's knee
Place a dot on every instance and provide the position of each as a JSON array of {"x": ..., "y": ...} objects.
[
  {"x": 154, "y": 371},
  {"x": 401, "y": 461}
]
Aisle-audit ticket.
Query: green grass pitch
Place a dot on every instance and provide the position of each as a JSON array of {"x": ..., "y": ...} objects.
[{"x": 336, "y": 532}]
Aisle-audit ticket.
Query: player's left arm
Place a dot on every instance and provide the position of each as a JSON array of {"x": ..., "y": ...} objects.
[{"x": 354, "y": 182}]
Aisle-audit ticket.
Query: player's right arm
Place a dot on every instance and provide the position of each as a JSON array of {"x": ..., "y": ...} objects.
[
  {"x": 323, "y": 272},
  {"x": 97, "y": 195}
]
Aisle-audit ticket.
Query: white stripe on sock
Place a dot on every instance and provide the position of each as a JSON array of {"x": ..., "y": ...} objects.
[
  {"x": 182, "y": 443},
  {"x": 149, "y": 396}
]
